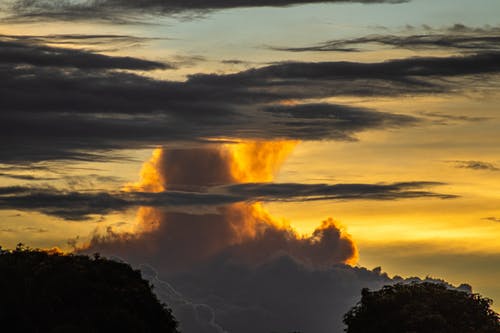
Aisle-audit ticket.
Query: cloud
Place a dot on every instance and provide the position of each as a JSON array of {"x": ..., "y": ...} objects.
[
  {"x": 123, "y": 11},
  {"x": 235, "y": 62},
  {"x": 35, "y": 230},
  {"x": 294, "y": 192},
  {"x": 24, "y": 177},
  {"x": 401, "y": 70},
  {"x": 101, "y": 41},
  {"x": 194, "y": 317},
  {"x": 218, "y": 271},
  {"x": 195, "y": 205},
  {"x": 213, "y": 176},
  {"x": 457, "y": 37},
  {"x": 49, "y": 114},
  {"x": 19, "y": 51},
  {"x": 182, "y": 240},
  {"x": 68, "y": 205},
  {"x": 72, "y": 104},
  {"x": 476, "y": 165},
  {"x": 279, "y": 295},
  {"x": 310, "y": 120},
  {"x": 492, "y": 219},
  {"x": 219, "y": 268},
  {"x": 445, "y": 119},
  {"x": 79, "y": 205},
  {"x": 11, "y": 190}
]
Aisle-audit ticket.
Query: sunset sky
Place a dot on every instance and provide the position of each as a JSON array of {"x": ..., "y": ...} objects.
[{"x": 272, "y": 144}]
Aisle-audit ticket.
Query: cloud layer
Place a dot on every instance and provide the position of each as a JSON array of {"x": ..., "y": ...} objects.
[
  {"x": 74, "y": 205},
  {"x": 127, "y": 10},
  {"x": 18, "y": 52},
  {"x": 476, "y": 165},
  {"x": 59, "y": 103},
  {"x": 458, "y": 37}
]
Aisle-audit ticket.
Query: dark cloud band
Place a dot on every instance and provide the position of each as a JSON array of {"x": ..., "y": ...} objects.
[
  {"x": 73, "y": 205},
  {"x": 130, "y": 10},
  {"x": 18, "y": 51},
  {"x": 458, "y": 37},
  {"x": 62, "y": 104}
]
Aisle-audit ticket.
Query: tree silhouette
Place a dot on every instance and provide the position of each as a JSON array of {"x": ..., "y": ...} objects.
[
  {"x": 51, "y": 292},
  {"x": 421, "y": 308}
]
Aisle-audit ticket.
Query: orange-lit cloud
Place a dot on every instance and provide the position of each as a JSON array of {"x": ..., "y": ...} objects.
[
  {"x": 258, "y": 161},
  {"x": 246, "y": 232},
  {"x": 151, "y": 180}
]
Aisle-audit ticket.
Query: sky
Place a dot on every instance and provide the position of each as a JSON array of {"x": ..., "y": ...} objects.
[{"x": 255, "y": 158}]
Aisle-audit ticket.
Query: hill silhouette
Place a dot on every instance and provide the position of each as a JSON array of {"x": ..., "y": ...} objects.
[{"x": 52, "y": 292}]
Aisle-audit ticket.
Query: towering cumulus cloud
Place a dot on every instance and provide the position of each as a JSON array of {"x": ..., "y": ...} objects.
[
  {"x": 246, "y": 232},
  {"x": 232, "y": 267}
]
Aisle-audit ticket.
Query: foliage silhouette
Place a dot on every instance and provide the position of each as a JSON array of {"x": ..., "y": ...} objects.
[
  {"x": 51, "y": 292},
  {"x": 421, "y": 308}
]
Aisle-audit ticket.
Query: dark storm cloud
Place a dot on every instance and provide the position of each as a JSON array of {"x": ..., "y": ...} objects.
[
  {"x": 18, "y": 51},
  {"x": 81, "y": 205},
  {"x": 122, "y": 11},
  {"x": 476, "y": 165},
  {"x": 62, "y": 105},
  {"x": 280, "y": 295},
  {"x": 458, "y": 37}
]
